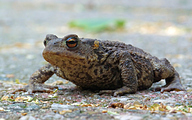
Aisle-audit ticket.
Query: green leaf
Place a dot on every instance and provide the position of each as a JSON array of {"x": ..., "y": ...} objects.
[{"x": 98, "y": 25}]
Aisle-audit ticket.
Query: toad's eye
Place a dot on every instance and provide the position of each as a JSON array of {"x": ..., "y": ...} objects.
[{"x": 72, "y": 42}]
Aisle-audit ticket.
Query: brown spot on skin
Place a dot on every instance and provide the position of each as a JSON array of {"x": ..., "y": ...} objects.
[
  {"x": 70, "y": 62},
  {"x": 104, "y": 76},
  {"x": 95, "y": 71},
  {"x": 100, "y": 56},
  {"x": 64, "y": 64},
  {"x": 107, "y": 66},
  {"x": 88, "y": 76},
  {"x": 89, "y": 62},
  {"x": 90, "y": 66},
  {"x": 69, "y": 68},
  {"x": 84, "y": 66},
  {"x": 101, "y": 71}
]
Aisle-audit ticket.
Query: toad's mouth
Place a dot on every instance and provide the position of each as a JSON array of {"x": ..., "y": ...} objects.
[
  {"x": 62, "y": 53},
  {"x": 60, "y": 58}
]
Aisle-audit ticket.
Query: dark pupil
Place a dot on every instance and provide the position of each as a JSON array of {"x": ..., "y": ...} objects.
[{"x": 71, "y": 42}]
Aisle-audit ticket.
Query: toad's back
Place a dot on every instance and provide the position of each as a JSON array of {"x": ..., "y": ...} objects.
[{"x": 141, "y": 61}]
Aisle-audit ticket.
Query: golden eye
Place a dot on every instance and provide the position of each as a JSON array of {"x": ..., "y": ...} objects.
[{"x": 71, "y": 42}]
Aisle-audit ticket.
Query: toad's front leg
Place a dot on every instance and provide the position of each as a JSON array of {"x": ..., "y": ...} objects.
[
  {"x": 128, "y": 76},
  {"x": 37, "y": 79}
]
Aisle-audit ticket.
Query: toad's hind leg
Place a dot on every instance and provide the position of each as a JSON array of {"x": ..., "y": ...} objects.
[{"x": 164, "y": 70}]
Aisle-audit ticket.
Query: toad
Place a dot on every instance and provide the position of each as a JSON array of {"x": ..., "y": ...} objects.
[{"x": 109, "y": 66}]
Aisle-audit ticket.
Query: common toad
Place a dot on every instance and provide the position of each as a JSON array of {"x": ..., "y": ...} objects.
[{"x": 108, "y": 66}]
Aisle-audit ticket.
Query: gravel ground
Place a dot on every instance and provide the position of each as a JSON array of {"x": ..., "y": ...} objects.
[{"x": 162, "y": 28}]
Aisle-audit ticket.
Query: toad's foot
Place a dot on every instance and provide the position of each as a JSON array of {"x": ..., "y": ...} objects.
[
  {"x": 36, "y": 88},
  {"x": 110, "y": 92},
  {"x": 174, "y": 86},
  {"x": 24, "y": 89},
  {"x": 118, "y": 92}
]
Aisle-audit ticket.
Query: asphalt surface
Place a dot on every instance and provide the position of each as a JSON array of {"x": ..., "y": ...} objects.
[{"x": 162, "y": 28}]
